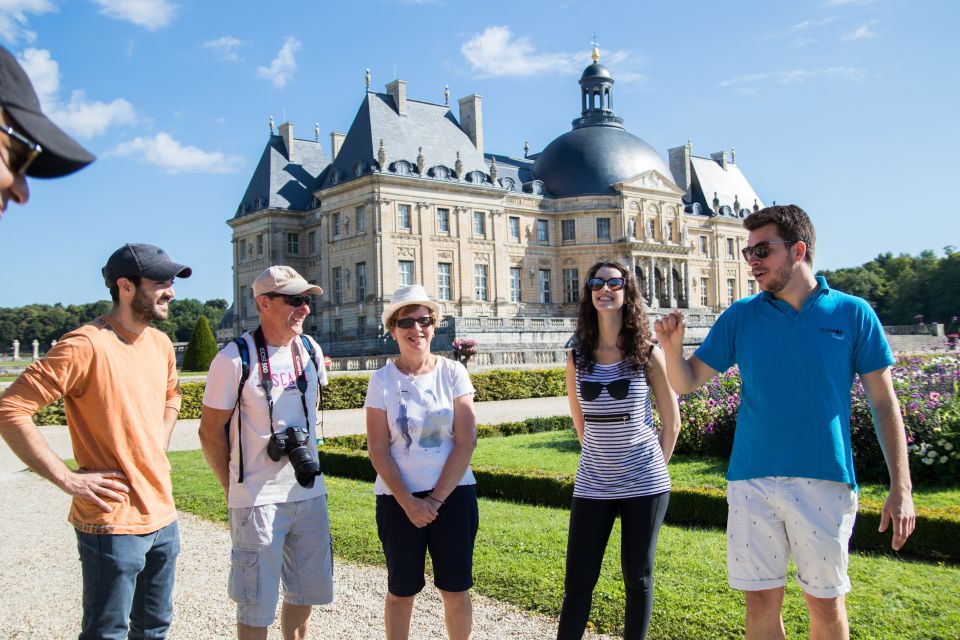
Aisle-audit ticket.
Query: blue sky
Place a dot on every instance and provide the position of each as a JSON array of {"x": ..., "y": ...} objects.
[{"x": 845, "y": 107}]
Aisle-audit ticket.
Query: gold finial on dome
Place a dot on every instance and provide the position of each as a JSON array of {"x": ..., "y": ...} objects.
[{"x": 596, "y": 49}]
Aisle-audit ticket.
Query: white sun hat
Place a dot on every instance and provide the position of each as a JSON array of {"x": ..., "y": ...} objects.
[{"x": 405, "y": 296}]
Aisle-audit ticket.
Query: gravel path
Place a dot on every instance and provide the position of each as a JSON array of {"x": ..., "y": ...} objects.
[{"x": 40, "y": 580}]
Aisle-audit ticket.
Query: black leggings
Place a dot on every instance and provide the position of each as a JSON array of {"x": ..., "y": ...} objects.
[{"x": 590, "y": 523}]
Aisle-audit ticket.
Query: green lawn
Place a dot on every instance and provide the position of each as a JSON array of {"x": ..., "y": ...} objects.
[
  {"x": 520, "y": 559},
  {"x": 558, "y": 452}
]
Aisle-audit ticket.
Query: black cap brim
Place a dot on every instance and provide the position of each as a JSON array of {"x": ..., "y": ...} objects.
[
  {"x": 61, "y": 155},
  {"x": 168, "y": 271}
]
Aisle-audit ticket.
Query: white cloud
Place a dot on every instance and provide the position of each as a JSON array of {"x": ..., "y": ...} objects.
[
  {"x": 863, "y": 32},
  {"x": 174, "y": 158},
  {"x": 282, "y": 68},
  {"x": 810, "y": 24},
  {"x": 498, "y": 53},
  {"x": 80, "y": 116},
  {"x": 795, "y": 76},
  {"x": 14, "y": 15},
  {"x": 225, "y": 48},
  {"x": 150, "y": 14}
]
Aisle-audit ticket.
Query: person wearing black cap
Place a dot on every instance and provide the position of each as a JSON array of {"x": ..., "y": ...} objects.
[
  {"x": 117, "y": 377},
  {"x": 30, "y": 143}
]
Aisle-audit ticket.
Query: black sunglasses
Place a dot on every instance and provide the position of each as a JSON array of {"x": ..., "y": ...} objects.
[
  {"x": 762, "y": 249},
  {"x": 293, "y": 301},
  {"x": 618, "y": 389},
  {"x": 18, "y": 163},
  {"x": 407, "y": 323},
  {"x": 615, "y": 284}
]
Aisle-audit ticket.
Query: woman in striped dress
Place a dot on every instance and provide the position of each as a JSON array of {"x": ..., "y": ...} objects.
[{"x": 623, "y": 464}]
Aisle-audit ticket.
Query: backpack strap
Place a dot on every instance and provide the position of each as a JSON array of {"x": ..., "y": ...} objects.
[
  {"x": 308, "y": 345},
  {"x": 244, "y": 374}
]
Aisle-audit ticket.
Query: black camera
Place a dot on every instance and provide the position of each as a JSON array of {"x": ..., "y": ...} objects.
[{"x": 293, "y": 444}]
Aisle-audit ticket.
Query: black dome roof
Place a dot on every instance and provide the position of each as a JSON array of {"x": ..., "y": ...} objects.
[
  {"x": 588, "y": 160},
  {"x": 596, "y": 70}
]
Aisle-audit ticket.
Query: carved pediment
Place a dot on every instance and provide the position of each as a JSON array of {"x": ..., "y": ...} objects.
[{"x": 651, "y": 180}]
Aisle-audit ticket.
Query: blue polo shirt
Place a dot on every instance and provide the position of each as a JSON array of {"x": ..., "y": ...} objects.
[{"x": 797, "y": 370}]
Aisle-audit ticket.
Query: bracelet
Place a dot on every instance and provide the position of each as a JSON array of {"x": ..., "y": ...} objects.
[{"x": 437, "y": 500}]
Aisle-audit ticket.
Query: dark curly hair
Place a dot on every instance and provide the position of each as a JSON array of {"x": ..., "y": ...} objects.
[{"x": 635, "y": 336}]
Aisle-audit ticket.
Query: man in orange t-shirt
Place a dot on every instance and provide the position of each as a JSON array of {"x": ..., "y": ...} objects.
[{"x": 117, "y": 376}]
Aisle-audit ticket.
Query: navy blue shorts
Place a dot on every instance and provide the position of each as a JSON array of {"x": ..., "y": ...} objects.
[{"x": 449, "y": 538}]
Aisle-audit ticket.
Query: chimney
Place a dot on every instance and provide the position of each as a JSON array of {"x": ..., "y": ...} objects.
[
  {"x": 286, "y": 132},
  {"x": 336, "y": 141},
  {"x": 471, "y": 119},
  {"x": 680, "y": 165},
  {"x": 721, "y": 158},
  {"x": 398, "y": 89}
]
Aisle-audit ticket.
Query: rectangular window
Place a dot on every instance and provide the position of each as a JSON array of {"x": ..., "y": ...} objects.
[
  {"x": 751, "y": 287},
  {"x": 545, "y": 286},
  {"x": 243, "y": 249},
  {"x": 335, "y": 224},
  {"x": 731, "y": 251},
  {"x": 260, "y": 245},
  {"x": 669, "y": 237},
  {"x": 361, "y": 215},
  {"x": 361, "y": 269},
  {"x": 480, "y": 282},
  {"x": 293, "y": 243},
  {"x": 338, "y": 327},
  {"x": 311, "y": 243},
  {"x": 515, "y": 273},
  {"x": 444, "y": 291},
  {"x": 403, "y": 217},
  {"x": 651, "y": 229},
  {"x": 704, "y": 290},
  {"x": 244, "y": 308},
  {"x": 361, "y": 325},
  {"x": 513, "y": 223},
  {"x": 337, "y": 281},
  {"x": 543, "y": 231},
  {"x": 404, "y": 273},
  {"x": 571, "y": 285},
  {"x": 703, "y": 245},
  {"x": 479, "y": 224},
  {"x": 731, "y": 290},
  {"x": 443, "y": 220},
  {"x": 568, "y": 230},
  {"x": 603, "y": 229}
]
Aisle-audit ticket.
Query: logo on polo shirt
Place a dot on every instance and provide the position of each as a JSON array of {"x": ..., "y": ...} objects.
[{"x": 836, "y": 334}]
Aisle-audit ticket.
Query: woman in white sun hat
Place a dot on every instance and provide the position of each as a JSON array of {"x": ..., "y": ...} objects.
[{"x": 421, "y": 433}]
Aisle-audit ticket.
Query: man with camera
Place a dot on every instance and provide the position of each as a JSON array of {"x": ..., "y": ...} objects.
[
  {"x": 117, "y": 377},
  {"x": 258, "y": 431}
]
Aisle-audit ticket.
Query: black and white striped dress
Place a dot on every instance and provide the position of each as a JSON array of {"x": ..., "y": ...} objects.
[{"x": 621, "y": 455}]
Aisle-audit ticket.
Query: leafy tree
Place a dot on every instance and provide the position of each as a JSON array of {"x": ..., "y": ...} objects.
[{"x": 201, "y": 348}]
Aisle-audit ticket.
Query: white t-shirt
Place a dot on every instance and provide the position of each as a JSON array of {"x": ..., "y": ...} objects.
[
  {"x": 265, "y": 481},
  {"x": 420, "y": 418}
]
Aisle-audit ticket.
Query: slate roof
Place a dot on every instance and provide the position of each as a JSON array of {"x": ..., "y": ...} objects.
[
  {"x": 279, "y": 183},
  {"x": 709, "y": 176}
]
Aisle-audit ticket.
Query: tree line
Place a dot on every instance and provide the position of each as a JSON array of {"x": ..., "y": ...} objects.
[
  {"x": 906, "y": 289},
  {"x": 46, "y": 322}
]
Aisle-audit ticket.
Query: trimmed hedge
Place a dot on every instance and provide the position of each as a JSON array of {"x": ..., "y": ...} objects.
[{"x": 937, "y": 535}]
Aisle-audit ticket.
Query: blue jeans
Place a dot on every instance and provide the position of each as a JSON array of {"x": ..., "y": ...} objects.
[{"x": 128, "y": 580}]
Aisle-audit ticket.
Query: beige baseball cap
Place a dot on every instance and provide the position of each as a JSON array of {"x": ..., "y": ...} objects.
[{"x": 284, "y": 280}]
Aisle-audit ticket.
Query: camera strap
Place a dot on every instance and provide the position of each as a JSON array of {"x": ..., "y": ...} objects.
[{"x": 266, "y": 376}]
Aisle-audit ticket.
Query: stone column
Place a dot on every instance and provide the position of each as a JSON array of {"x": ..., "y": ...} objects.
[
  {"x": 36, "y": 349},
  {"x": 686, "y": 282},
  {"x": 16, "y": 349},
  {"x": 670, "y": 298},
  {"x": 651, "y": 284}
]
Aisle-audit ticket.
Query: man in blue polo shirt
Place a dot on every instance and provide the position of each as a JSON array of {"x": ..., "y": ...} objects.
[{"x": 791, "y": 487}]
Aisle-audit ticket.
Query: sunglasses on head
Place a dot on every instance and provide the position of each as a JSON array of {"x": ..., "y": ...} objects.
[
  {"x": 618, "y": 389},
  {"x": 615, "y": 284},
  {"x": 762, "y": 249},
  {"x": 293, "y": 301},
  {"x": 407, "y": 323},
  {"x": 19, "y": 162}
]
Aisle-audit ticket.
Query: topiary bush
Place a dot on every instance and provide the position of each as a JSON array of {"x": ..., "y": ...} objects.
[{"x": 202, "y": 347}]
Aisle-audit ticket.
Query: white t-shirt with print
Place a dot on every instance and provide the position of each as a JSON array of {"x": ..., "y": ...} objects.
[
  {"x": 265, "y": 481},
  {"x": 420, "y": 418}
]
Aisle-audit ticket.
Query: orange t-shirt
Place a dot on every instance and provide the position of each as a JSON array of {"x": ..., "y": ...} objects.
[{"x": 116, "y": 388}]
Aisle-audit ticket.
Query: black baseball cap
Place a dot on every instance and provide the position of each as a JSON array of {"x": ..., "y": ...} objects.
[
  {"x": 61, "y": 154},
  {"x": 144, "y": 260}
]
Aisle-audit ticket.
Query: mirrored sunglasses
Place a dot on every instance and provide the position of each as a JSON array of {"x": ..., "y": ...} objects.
[
  {"x": 618, "y": 389},
  {"x": 615, "y": 284},
  {"x": 407, "y": 323},
  {"x": 293, "y": 301},
  {"x": 19, "y": 161},
  {"x": 762, "y": 249}
]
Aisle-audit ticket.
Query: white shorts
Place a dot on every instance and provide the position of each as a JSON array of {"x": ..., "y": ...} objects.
[
  {"x": 771, "y": 519},
  {"x": 290, "y": 540}
]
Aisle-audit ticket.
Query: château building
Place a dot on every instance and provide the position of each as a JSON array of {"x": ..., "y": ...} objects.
[{"x": 409, "y": 194}]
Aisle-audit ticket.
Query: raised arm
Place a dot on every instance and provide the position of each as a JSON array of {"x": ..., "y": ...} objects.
[
  {"x": 898, "y": 507},
  {"x": 684, "y": 375},
  {"x": 666, "y": 400}
]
